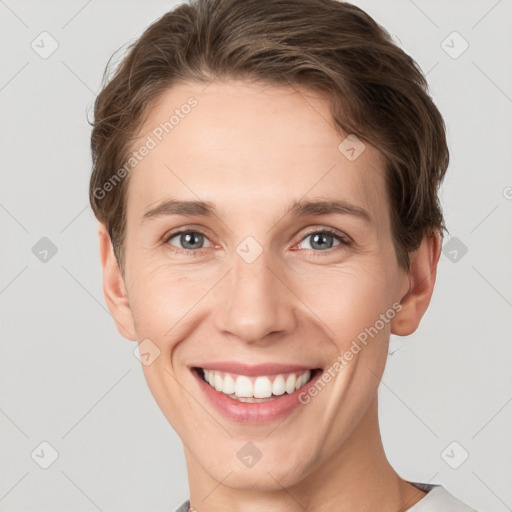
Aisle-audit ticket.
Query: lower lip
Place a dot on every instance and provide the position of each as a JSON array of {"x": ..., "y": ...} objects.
[{"x": 263, "y": 412}]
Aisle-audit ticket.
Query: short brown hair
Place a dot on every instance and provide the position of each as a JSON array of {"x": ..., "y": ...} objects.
[{"x": 377, "y": 92}]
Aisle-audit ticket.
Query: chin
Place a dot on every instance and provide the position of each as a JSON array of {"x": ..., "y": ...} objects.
[{"x": 258, "y": 478}]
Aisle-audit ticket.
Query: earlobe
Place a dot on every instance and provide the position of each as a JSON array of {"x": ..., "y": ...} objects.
[
  {"x": 422, "y": 277},
  {"x": 114, "y": 288}
]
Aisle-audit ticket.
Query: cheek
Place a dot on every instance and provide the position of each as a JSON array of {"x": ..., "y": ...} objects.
[
  {"x": 348, "y": 299},
  {"x": 163, "y": 301}
]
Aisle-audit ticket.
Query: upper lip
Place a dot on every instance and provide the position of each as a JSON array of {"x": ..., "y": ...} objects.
[{"x": 240, "y": 368}]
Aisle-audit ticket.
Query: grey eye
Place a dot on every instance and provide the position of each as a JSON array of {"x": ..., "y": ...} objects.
[
  {"x": 188, "y": 240},
  {"x": 321, "y": 240}
]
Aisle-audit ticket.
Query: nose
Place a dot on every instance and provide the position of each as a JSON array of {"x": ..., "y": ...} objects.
[{"x": 255, "y": 302}]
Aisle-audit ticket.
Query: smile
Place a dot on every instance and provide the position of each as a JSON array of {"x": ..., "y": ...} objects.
[
  {"x": 246, "y": 389},
  {"x": 254, "y": 394}
]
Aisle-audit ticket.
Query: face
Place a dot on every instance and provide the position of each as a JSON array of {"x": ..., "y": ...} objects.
[{"x": 257, "y": 248}]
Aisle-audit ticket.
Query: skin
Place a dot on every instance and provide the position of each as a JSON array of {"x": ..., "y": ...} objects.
[{"x": 251, "y": 150}]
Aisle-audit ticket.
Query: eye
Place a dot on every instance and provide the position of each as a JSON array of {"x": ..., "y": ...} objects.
[
  {"x": 191, "y": 242},
  {"x": 188, "y": 240},
  {"x": 322, "y": 240}
]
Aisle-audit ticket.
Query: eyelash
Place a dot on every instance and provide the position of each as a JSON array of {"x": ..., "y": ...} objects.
[{"x": 343, "y": 239}]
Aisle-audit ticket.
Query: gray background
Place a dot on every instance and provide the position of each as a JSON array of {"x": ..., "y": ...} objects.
[{"x": 69, "y": 379}]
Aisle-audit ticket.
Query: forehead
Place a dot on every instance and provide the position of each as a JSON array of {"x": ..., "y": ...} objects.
[{"x": 230, "y": 140}]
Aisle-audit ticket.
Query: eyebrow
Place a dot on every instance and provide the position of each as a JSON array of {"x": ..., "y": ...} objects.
[{"x": 297, "y": 208}]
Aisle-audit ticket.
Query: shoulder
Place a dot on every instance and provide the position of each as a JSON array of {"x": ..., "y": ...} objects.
[{"x": 438, "y": 499}]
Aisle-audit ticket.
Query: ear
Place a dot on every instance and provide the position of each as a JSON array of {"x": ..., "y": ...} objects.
[
  {"x": 422, "y": 277},
  {"x": 113, "y": 286}
]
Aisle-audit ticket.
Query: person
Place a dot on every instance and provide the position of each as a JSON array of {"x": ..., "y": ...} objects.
[{"x": 265, "y": 177}]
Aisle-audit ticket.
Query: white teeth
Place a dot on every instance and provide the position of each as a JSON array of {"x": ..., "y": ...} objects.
[
  {"x": 302, "y": 379},
  {"x": 217, "y": 381},
  {"x": 290, "y": 384},
  {"x": 278, "y": 387},
  {"x": 259, "y": 388},
  {"x": 229, "y": 385},
  {"x": 262, "y": 387},
  {"x": 243, "y": 386}
]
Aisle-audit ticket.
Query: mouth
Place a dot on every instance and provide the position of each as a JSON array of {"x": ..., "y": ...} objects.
[{"x": 255, "y": 389}]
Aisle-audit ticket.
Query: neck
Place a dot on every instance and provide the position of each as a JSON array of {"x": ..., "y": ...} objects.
[{"x": 355, "y": 477}]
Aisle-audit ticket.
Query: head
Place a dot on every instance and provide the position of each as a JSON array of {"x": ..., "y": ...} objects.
[{"x": 299, "y": 150}]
